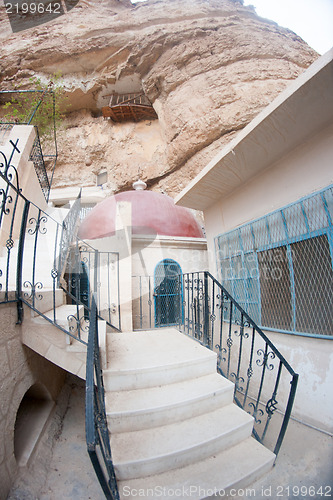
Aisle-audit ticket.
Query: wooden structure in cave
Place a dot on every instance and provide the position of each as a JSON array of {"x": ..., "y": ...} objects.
[{"x": 129, "y": 107}]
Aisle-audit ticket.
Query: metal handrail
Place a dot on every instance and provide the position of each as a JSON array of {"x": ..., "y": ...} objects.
[
  {"x": 97, "y": 434},
  {"x": 23, "y": 221},
  {"x": 37, "y": 156},
  {"x": 68, "y": 233},
  {"x": 245, "y": 354}
]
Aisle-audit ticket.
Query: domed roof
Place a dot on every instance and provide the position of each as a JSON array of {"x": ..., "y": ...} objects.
[{"x": 152, "y": 213}]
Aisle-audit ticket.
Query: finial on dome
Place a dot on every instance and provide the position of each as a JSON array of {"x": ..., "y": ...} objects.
[{"x": 139, "y": 185}]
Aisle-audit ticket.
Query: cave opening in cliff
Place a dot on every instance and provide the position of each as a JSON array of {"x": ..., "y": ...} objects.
[{"x": 129, "y": 107}]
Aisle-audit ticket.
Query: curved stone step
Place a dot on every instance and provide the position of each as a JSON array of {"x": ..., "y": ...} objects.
[
  {"x": 153, "y": 451},
  {"x": 138, "y": 360},
  {"x": 51, "y": 343},
  {"x": 230, "y": 469},
  {"x": 156, "y": 406}
]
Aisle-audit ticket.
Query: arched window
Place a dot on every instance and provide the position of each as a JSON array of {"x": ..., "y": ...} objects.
[{"x": 168, "y": 298}]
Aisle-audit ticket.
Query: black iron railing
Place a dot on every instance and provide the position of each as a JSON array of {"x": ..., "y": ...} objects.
[
  {"x": 196, "y": 303},
  {"x": 143, "y": 302},
  {"x": 68, "y": 232},
  {"x": 5, "y": 129},
  {"x": 97, "y": 433},
  {"x": 27, "y": 104},
  {"x": 29, "y": 274},
  {"x": 265, "y": 383},
  {"x": 38, "y": 159},
  {"x": 33, "y": 244}
]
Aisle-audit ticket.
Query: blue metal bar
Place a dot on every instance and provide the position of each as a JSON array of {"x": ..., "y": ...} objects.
[
  {"x": 291, "y": 273},
  {"x": 322, "y": 191}
]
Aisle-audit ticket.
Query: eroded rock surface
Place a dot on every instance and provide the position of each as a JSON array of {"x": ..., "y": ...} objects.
[{"x": 208, "y": 67}]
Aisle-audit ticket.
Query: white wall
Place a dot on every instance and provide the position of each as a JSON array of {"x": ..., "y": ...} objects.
[
  {"x": 189, "y": 253},
  {"x": 312, "y": 359},
  {"x": 306, "y": 169}
]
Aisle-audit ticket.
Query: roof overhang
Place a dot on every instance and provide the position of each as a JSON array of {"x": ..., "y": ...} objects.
[{"x": 298, "y": 113}]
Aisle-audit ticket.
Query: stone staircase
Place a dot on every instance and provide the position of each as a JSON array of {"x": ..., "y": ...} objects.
[{"x": 175, "y": 432}]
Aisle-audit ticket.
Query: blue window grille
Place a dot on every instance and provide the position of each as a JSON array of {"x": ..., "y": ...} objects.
[
  {"x": 168, "y": 294},
  {"x": 279, "y": 267}
]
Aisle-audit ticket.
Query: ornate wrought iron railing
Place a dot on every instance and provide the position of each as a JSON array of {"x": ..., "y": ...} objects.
[
  {"x": 27, "y": 114},
  {"x": 37, "y": 157},
  {"x": 68, "y": 232},
  {"x": 84, "y": 266},
  {"x": 265, "y": 383},
  {"x": 97, "y": 434},
  {"x": 32, "y": 245}
]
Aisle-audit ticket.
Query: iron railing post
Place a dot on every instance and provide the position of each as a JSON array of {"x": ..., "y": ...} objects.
[
  {"x": 286, "y": 419},
  {"x": 19, "y": 267},
  {"x": 96, "y": 273},
  {"x": 97, "y": 435},
  {"x": 206, "y": 310}
]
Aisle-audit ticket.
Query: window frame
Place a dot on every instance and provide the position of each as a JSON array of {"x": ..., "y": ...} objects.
[{"x": 230, "y": 237}]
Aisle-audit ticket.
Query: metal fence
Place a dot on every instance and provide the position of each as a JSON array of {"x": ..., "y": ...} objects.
[
  {"x": 279, "y": 267},
  {"x": 38, "y": 159},
  {"x": 97, "y": 433},
  {"x": 29, "y": 274},
  {"x": 38, "y": 251},
  {"x": 157, "y": 299},
  {"x": 5, "y": 129},
  {"x": 265, "y": 383},
  {"x": 87, "y": 270},
  {"x": 26, "y": 106}
]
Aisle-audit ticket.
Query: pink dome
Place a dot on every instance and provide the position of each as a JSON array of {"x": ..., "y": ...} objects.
[{"x": 152, "y": 213}]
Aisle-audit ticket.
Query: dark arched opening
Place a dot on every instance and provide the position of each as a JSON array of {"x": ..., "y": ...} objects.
[{"x": 32, "y": 415}]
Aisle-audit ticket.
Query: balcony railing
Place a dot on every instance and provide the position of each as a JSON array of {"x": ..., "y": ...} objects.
[{"x": 26, "y": 106}]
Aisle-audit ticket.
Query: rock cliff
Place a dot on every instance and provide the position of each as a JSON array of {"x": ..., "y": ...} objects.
[{"x": 208, "y": 67}]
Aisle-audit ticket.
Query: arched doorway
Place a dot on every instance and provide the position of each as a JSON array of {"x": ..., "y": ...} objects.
[
  {"x": 32, "y": 415},
  {"x": 168, "y": 297}
]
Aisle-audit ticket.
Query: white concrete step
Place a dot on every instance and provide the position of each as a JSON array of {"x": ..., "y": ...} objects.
[
  {"x": 234, "y": 468},
  {"x": 51, "y": 343},
  {"x": 156, "y": 406},
  {"x": 66, "y": 315},
  {"x": 137, "y": 360},
  {"x": 152, "y": 451},
  {"x": 57, "y": 213},
  {"x": 45, "y": 299}
]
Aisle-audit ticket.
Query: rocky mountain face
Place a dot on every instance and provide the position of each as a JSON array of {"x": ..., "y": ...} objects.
[{"x": 207, "y": 66}]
